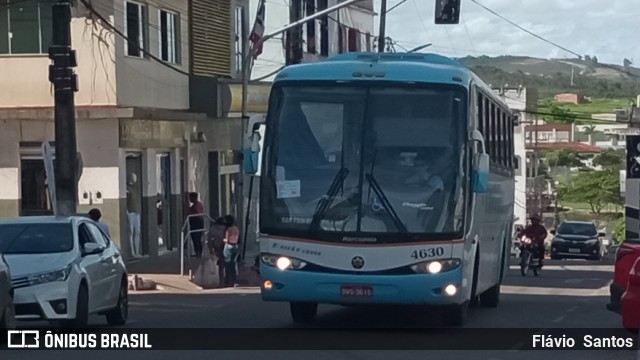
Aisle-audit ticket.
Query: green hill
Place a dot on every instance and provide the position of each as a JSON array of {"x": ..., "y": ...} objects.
[{"x": 553, "y": 76}]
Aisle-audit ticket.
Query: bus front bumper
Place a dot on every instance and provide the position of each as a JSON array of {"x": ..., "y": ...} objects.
[{"x": 305, "y": 286}]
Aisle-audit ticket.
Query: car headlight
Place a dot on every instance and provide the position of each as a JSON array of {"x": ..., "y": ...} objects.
[
  {"x": 592, "y": 241},
  {"x": 282, "y": 262},
  {"x": 436, "y": 266},
  {"x": 58, "y": 275}
]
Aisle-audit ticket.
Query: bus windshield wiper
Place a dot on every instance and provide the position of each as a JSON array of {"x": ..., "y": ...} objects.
[
  {"x": 387, "y": 205},
  {"x": 327, "y": 199}
]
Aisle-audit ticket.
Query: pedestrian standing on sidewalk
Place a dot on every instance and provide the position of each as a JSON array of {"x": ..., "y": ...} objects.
[
  {"x": 232, "y": 235},
  {"x": 196, "y": 222},
  {"x": 216, "y": 246}
]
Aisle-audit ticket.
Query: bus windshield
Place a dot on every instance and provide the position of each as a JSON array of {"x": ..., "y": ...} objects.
[{"x": 372, "y": 163}]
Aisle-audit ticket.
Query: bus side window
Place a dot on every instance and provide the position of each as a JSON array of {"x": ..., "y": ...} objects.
[
  {"x": 500, "y": 138},
  {"x": 494, "y": 133},
  {"x": 510, "y": 130},
  {"x": 505, "y": 141},
  {"x": 486, "y": 120},
  {"x": 479, "y": 118}
]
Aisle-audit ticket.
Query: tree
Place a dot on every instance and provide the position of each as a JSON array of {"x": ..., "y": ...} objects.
[
  {"x": 595, "y": 188},
  {"x": 611, "y": 159},
  {"x": 564, "y": 157},
  {"x": 558, "y": 114},
  {"x": 590, "y": 130}
]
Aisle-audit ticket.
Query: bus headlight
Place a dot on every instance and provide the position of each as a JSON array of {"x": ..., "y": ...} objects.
[
  {"x": 283, "y": 262},
  {"x": 436, "y": 266}
]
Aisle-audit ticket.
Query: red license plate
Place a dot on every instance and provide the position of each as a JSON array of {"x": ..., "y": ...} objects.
[{"x": 356, "y": 290}]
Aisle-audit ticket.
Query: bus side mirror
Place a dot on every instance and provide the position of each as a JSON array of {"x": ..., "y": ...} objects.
[
  {"x": 480, "y": 171},
  {"x": 447, "y": 12},
  {"x": 251, "y": 154}
]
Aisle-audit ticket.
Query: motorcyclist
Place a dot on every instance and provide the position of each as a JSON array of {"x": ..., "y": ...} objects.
[{"x": 537, "y": 233}]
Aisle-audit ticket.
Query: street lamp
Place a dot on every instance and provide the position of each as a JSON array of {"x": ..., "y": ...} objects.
[{"x": 419, "y": 48}]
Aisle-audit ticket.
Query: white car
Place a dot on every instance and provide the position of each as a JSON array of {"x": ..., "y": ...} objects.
[
  {"x": 64, "y": 269},
  {"x": 7, "y": 315}
]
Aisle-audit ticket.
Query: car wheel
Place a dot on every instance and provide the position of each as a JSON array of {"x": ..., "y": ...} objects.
[
  {"x": 8, "y": 320},
  {"x": 82, "y": 309},
  {"x": 118, "y": 316}
]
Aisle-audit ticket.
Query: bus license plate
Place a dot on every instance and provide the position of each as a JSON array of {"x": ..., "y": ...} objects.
[
  {"x": 575, "y": 251},
  {"x": 356, "y": 290}
]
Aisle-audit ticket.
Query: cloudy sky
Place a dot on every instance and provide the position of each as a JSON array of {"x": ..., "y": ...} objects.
[{"x": 604, "y": 28}]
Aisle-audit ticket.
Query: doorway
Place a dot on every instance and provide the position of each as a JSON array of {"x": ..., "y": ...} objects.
[
  {"x": 34, "y": 199},
  {"x": 163, "y": 200}
]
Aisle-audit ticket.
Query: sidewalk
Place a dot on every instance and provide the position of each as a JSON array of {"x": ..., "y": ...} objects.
[{"x": 164, "y": 270}]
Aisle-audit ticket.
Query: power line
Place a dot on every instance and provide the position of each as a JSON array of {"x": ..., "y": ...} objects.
[
  {"x": 559, "y": 116},
  {"x": 108, "y": 24},
  {"x": 525, "y": 30},
  {"x": 268, "y": 75},
  {"x": 396, "y": 5},
  {"x": 466, "y": 29}
]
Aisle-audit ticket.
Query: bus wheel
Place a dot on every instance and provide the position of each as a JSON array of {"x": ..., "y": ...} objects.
[
  {"x": 303, "y": 312},
  {"x": 491, "y": 297},
  {"x": 455, "y": 315}
]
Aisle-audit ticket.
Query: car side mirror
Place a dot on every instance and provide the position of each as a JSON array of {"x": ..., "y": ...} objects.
[
  {"x": 553, "y": 232},
  {"x": 480, "y": 171},
  {"x": 92, "y": 249}
]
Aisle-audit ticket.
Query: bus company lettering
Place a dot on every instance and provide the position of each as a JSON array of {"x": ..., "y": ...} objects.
[
  {"x": 296, "y": 249},
  {"x": 359, "y": 239}
]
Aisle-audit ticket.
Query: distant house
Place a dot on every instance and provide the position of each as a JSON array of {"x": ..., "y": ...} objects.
[
  {"x": 572, "y": 98},
  {"x": 556, "y": 137}
]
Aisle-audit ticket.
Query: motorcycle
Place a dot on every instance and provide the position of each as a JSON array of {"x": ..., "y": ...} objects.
[{"x": 528, "y": 260}]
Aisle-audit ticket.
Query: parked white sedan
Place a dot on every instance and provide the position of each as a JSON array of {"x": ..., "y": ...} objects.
[
  {"x": 7, "y": 316},
  {"x": 64, "y": 269}
]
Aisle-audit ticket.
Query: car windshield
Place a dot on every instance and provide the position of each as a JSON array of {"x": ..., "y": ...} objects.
[
  {"x": 35, "y": 238},
  {"x": 577, "y": 229},
  {"x": 357, "y": 161}
]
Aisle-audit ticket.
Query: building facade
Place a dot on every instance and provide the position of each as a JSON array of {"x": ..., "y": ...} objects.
[
  {"x": 346, "y": 30},
  {"x": 525, "y": 101},
  {"x": 152, "y": 112}
]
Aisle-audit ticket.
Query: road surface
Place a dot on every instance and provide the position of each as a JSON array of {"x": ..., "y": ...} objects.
[{"x": 568, "y": 294}]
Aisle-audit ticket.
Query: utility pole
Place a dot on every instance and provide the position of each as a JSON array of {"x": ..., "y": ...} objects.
[
  {"x": 65, "y": 83},
  {"x": 572, "y": 67},
  {"x": 383, "y": 22}
]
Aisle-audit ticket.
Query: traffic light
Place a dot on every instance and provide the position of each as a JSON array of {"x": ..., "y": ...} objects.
[{"x": 447, "y": 12}]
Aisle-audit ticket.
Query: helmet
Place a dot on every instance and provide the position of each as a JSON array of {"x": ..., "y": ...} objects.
[{"x": 535, "y": 218}]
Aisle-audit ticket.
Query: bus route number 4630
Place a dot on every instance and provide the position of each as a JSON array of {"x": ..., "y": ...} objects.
[{"x": 427, "y": 253}]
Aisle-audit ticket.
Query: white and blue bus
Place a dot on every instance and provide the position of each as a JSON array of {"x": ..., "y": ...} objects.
[{"x": 385, "y": 179}]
